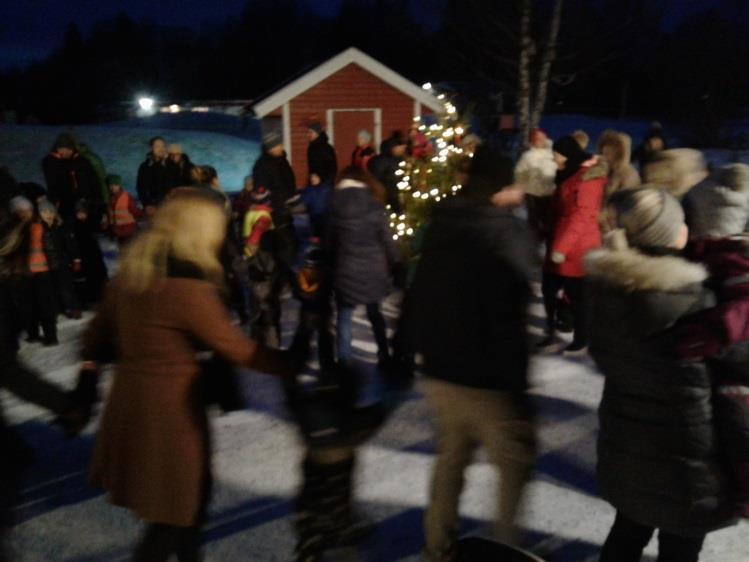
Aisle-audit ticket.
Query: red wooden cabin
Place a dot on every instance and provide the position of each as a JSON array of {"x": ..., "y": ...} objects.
[{"x": 350, "y": 92}]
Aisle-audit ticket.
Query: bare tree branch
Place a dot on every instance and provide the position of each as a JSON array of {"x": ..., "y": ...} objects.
[
  {"x": 524, "y": 73},
  {"x": 548, "y": 59}
]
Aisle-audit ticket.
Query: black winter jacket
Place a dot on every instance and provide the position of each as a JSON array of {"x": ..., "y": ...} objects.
[
  {"x": 68, "y": 181},
  {"x": 469, "y": 298},
  {"x": 321, "y": 158},
  {"x": 361, "y": 246},
  {"x": 275, "y": 174},
  {"x": 155, "y": 179},
  {"x": 658, "y": 458},
  {"x": 383, "y": 167},
  {"x": 60, "y": 247}
]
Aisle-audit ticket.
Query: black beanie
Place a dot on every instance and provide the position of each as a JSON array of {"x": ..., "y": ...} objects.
[
  {"x": 491, "y": 171},
  {"x": 65, "y": 140},
  {"x": 568, "y": 147}
]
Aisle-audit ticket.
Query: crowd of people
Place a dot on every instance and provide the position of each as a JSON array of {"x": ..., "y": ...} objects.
[{"x": 645, "y": 265}]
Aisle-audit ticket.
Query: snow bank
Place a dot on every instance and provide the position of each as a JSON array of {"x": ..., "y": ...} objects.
[{"x": 122, "y": 149}]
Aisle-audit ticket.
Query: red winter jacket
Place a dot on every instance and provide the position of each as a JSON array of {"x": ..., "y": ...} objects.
[{"x": 577, "y": 203}]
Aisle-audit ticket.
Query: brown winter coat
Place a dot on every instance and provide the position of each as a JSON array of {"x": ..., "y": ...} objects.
[
  {"x": 152, "y": 448},
  {"x": 622, "y": 174}
]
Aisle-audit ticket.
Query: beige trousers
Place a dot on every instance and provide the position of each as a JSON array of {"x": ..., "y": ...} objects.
[{"x": 467, "y": 418}]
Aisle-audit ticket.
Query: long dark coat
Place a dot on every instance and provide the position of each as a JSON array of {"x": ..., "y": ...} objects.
[
  {"x": 70, "y": 180},
  {"x": 361, "y": 246},
  {"x": 658, "y": 457}
]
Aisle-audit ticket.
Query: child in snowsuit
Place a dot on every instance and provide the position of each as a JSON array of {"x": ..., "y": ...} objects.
[
  {"x": 330, "y": 424},
  {"x": 124, "y": 212},
  {"x": 62, "y": 258},
  {"x": 263, "y": 270},
  {"x": 313, "y": 292}
]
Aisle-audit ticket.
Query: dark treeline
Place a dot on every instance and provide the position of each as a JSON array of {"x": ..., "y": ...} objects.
[{"x": 615, "y": 57}]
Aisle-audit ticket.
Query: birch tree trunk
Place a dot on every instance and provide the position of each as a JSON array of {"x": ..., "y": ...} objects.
[
  {"x": 524, "y": 74},
  {"x": 549, "y": 56}
]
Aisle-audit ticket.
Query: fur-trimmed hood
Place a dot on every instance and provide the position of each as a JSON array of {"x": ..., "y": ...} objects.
[
  {"x": 622, "y": 148},
  {"x": 632, "y": 271},
  {"x": 597, "y": 168}
]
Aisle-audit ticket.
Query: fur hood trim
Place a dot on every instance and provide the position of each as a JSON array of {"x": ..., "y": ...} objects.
[
  {"x": 622, "y": 145},
  {"x": 597, "y": 168},
  {"x": 634, "y": 271}
]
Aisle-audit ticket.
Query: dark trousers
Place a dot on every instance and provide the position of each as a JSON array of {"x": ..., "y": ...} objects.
[
  {"x": 574, "y": 288},
  {"x": 627, "y": 539},
  {"x": 38, "y": 304},
  {"x": 65, "y": 290},
  {"x": 315, "y": 318}
]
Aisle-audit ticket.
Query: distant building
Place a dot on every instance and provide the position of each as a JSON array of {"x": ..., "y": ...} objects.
[{"x": 349, "y": 92}]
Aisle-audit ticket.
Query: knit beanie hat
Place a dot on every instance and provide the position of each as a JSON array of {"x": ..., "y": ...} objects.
[
  {"x": 650, "y": 217},
  {"x": 20, "y": 203},
  {"x": 271, "y": 139},
  {"x": 719, "y": 207},
  {"x": 491, "y": 171},
  {"x": 260, "y": 196},
  {"x": 315, "y": 127},
  {"x": 46, "y": 205},
  {"x": 114, "y": 179},
  {"x": 364, "y": 136},
  {"x": 65, "y": 140},
  {"x": 568, "y": 147}
]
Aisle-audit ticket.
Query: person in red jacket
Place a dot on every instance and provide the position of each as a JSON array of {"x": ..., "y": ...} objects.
[
  {"x": 580, "y": 180},
  {"x": 124, "y": 211}
]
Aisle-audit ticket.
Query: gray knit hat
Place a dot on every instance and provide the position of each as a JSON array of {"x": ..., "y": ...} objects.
[
  {"x": 719, "y": 207},
  {"x": 20, "y": 203},
  {"x": 650, "y": 217},
  {"x": 271, "y": 139}
]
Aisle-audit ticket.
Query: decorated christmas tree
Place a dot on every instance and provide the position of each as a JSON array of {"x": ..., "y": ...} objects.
[{"x": 435, "y": 169}]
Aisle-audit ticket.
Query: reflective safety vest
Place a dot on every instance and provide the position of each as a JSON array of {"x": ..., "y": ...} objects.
[
  {"x": 251, "y": 218},
  {"x": 37, "y": 257},
  {"x": 121, "y": 215}
]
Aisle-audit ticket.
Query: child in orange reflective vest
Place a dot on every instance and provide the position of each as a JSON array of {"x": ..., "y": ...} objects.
[
  {"x": 32, "y": 279},
  {"x": 124, "y": 211},
  {"x": 257, "y": 221}
]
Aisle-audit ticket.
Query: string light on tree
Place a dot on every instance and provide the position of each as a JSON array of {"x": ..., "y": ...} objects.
[{"x": 436, "y": 173}]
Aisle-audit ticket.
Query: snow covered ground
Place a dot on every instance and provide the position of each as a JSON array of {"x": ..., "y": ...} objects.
[
  {"x": 123, "y": 148},
  {"x": 256, "y": 456}
]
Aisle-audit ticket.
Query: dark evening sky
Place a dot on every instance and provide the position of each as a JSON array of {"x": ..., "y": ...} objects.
[{"x": 31, "y": 29}]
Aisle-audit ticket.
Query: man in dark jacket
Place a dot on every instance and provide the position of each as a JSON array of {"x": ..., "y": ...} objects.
[
  {"x": 468, "y": 307},
  {"x": 155, "y": 176},
  {"x": 70, "y": 177},
  {"x": 384, "y": 165},
  {"x": 273, "y": 172},
  {"x": 180, "y": 165},
  {"x": 321, "y": 157}
]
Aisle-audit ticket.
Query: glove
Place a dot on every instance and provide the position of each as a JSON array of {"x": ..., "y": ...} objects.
[{"x": 558, "y": 257}]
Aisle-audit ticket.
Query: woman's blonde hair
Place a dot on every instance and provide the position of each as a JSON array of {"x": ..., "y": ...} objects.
[{"x": 188, "y": 228}]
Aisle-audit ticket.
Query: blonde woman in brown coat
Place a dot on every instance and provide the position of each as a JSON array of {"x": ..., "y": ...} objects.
[{"x": 152, "y": 449}]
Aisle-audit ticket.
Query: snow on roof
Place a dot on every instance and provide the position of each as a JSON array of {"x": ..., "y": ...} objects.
[{"x": 327, "y": 69}]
